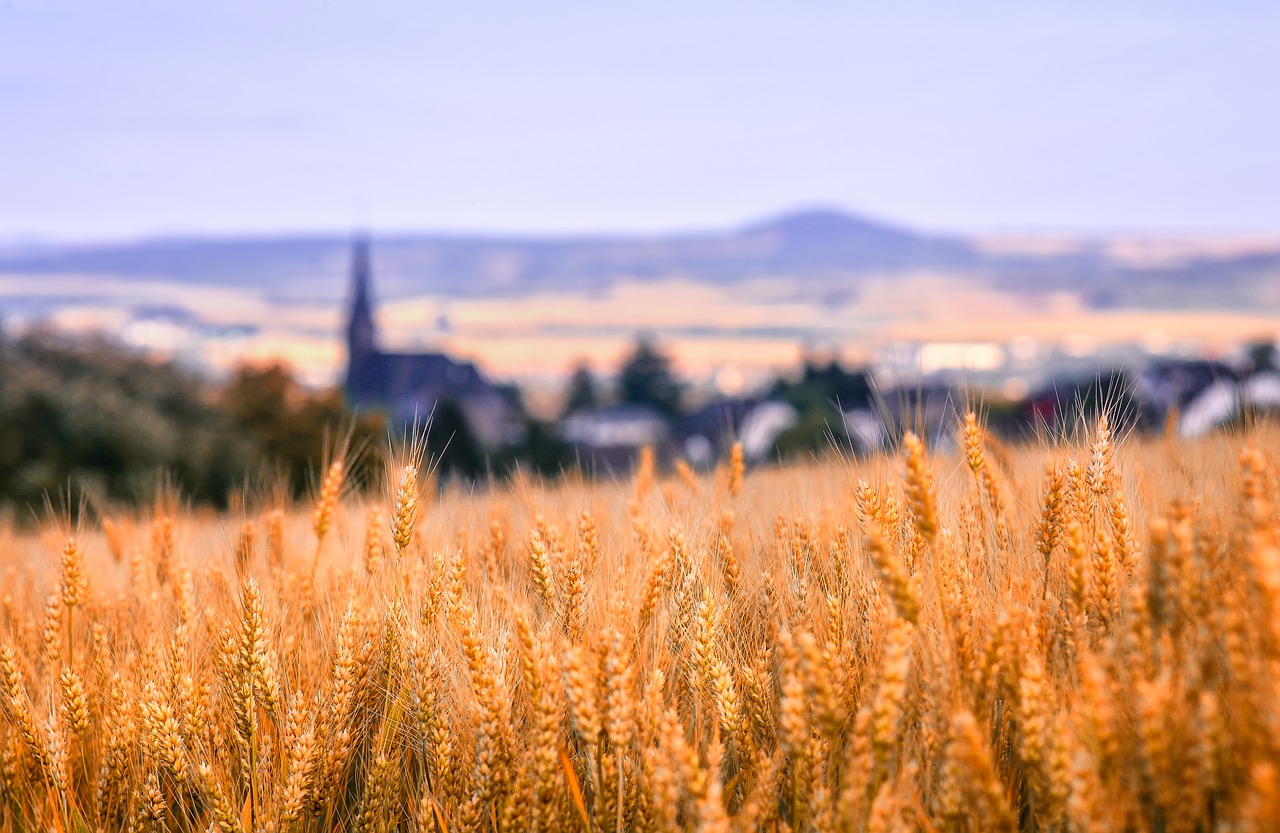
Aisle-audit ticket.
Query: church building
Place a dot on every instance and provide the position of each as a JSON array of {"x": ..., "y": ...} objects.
[{"x": 409, "y": 385}]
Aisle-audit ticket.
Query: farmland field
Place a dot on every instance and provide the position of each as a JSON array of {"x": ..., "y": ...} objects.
[{"x": 1071, "y": 636}]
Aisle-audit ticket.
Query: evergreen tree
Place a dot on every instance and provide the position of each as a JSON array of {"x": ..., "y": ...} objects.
[
  {"x": 647, "y": 379},
  {"x": 580, "y": 393}
]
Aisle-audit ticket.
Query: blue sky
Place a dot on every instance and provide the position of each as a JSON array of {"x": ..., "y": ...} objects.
[{"x": 121, "y": 119}]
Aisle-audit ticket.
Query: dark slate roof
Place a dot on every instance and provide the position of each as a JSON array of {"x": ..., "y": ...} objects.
[
  {"x": 718, "y": 421},
  {"x": 387, "y": 376},
  {"x": 1176, "y": 382}
]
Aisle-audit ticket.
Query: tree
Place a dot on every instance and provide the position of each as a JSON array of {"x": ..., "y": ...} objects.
[
  {"x": 290, "y": 425},
  {"x": 106, "y": 421},
  {"x": 821, "y": 393},
  {"x": 1263, "y": 355},
  {"x": 646, "y": 379},
  {"x": 580, "y": 394},
  {"x": 452, "y": 447}
]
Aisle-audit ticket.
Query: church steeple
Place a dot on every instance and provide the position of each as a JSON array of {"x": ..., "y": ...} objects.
[{"x": 361, "y": 331}]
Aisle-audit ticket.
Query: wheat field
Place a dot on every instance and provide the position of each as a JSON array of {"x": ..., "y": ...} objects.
[{"x": 1073, "y": 636}]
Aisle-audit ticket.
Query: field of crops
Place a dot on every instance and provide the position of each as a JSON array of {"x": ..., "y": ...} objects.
[{"x": 1072, "y": 636}]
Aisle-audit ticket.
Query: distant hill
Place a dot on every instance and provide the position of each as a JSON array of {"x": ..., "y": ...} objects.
[
  {"x": 820, "y": 251},
  {"x": 832, "y": 241},
  {"x": 823, "y": 243}
]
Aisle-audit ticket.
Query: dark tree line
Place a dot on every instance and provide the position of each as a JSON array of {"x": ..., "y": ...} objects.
[
  {"x": 116, "y": 426},
  {"x": 645, "y": 377},
  {"x": 112, "y": 424}
]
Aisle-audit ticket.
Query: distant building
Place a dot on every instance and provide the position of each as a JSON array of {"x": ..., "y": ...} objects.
[
  {"x": 409, "y": 385},
  {"x": 1204, "y": 395},
  {"x": 1192, "y": 397},
  {"x": 607, "y": 439},
  {"x": 707, "y": 434}
]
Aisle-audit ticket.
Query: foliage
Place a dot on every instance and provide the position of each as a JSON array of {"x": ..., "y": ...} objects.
[
  {"x": 94, "y": 417},
  {"x": 819, "y": 396},
  {"x": 291, "y": 427},
  {"x": 115, "y": 425},
  {"x": 580, "y": 392},
  {"x": 108, "y": 421},
  {"x": 646, "y": 378},
  {"x": 451, "y": 447}
]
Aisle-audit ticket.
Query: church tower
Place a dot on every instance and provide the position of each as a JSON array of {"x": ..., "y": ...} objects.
[{"x": 362, "y": 333}]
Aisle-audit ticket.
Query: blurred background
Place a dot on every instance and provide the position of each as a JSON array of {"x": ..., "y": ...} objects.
[{"x": 568, "y": 230}]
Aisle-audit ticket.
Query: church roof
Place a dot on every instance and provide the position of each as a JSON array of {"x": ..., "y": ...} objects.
[{"x": 390, "y": 376}]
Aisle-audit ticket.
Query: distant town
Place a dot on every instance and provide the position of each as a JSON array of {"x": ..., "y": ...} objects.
[
  {"x": 733, "y": 308},
  {"x": 859, "y": 409},
  {"x": 812, "y": 333}
]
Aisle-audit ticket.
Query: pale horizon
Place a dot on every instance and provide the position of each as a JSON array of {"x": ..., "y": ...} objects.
[{"x": 129, "y": 120}]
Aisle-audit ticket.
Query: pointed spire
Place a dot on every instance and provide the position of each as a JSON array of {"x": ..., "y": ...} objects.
[
  {"x": 360, "y": 268},
  {"x": 361, "y": 329}
]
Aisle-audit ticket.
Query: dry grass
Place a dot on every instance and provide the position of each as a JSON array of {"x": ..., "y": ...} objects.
[{"x": 1070, "y": 638}]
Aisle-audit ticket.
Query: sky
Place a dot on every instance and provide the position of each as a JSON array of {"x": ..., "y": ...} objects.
[{"x": 126, "y": 119}]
